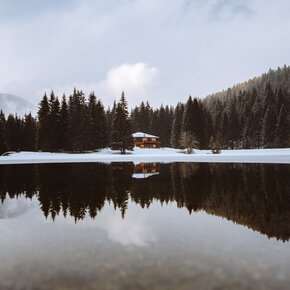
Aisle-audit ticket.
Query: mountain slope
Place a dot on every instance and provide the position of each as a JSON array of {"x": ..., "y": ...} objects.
[
  {"x": 276, "y": 78},
  {"x": 14, "y": 104}
]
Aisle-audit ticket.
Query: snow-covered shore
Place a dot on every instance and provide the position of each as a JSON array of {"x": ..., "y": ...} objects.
[{"x": 164, "y": 155}]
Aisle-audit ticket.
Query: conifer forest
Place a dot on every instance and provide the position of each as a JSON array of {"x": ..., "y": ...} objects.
[{"x": 253, "y": 114}]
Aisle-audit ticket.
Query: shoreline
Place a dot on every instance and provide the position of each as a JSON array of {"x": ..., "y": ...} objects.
[{"x": 162, "y": 155}]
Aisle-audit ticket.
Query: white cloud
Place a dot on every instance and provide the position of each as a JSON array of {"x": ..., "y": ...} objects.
[
  {"x": 13, "y": 207},
  {"x": 133, "y": 230},
  {"x": 199, "y": 46},
  {"x": 134, "y": 79},
  {"x": 136, "y": 229}
]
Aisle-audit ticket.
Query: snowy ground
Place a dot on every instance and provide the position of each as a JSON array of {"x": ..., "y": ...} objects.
[{"x": 164, "y": 155}]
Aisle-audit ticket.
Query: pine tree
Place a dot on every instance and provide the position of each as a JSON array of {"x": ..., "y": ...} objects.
[
  {"x": 13, "y": 128},
  {"x": 97, "y": 123},
  {"x": 29, "y": 133},
  {"x": 110, "y": 113},
  {"x": 43, "y": 129},
  {"x": 268, "y": 129},
  {"x": 188, "y": 141},
  {"x": 63, "y": 125},
  {"x": 176, "y": 126},
  {"x": 225, "y": 130},
  {"x": 269, "y": 97},
  {"x": 102, "y": 125},
  {"x": 233, "y": 127},
  {"x": 282, "y": 129},
  {"x": 121, "y": 133},
  {"x": 187, "y": 119},
  {"x": 54, "y": 123},
  {"x": 163, "y": 125},
  {"x": 78, "y": 122},
  {"x": 257, "y": 120},
  {"x": 214, "y": 144},
  {"x": 193, "y": 122},
  {"x": 3, "y": 134},
  {"x": 93, "y": 134}
]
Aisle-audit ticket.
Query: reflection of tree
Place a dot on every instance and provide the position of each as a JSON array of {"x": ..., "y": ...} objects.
[
  {"x": 257, "y": 196},
  {"x": 121, "y": 182},
  {"x": 17, "y": 180}
]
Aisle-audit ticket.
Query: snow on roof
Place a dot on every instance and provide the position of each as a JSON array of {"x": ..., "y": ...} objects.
[{"x": 141, "y": 134}]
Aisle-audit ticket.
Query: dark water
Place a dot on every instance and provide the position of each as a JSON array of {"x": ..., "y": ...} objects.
[{"x": 146, "y": 226}]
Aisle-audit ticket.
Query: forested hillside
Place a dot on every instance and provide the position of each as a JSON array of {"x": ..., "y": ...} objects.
[{"x": 254, "y": 114}]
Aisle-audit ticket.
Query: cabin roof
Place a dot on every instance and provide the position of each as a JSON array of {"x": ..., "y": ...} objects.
[{"x": 142, "y": 134}]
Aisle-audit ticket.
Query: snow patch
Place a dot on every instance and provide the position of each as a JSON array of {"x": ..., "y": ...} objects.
[{"x": 163, "y": 155}]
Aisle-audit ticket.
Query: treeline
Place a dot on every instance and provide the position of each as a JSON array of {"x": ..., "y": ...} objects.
[
  {"x": 73, "y": 124},
  {"x": 254, "y": 195},
  {"x": 17, "y": 133},
  {"x": 255, "y": 114}
]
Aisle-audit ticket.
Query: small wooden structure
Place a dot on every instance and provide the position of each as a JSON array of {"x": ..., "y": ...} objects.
[{"x": 144, "y": 140}]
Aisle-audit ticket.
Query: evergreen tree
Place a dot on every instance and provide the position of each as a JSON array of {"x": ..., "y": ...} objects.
[
  {"x": 187, "y": 120},
  {"x": 97, "y": 123},
  {"x": 234, "y": 127},
  {"x": 225, "y": 130},
  {"x": 282, "y": 129},
  {"x": 110, "y": 113},
  {"x": 29, "y": 133},
  {"x": 176, "y": 126},
  {"x": 13, "y": 129},
  {"x": 193, "y": 122},
  {"x": 163, "y": 125},
  {"x": 121, "y": 133},
  {"x": 54, "y": 123},
  {"x": 269, "y": 126},
  {"x": 63, "y": 125},
  {"x": 257, "y": 120},
  {"x": 188, "y": 141},
  {"x": 3, "y": 134},
  {"x": 102, "y": 125},
  {"x": 78, "y": 122},
  {"x": 93, "y": 134},
  {"x": 43, "y": 141},
  {"x": 269, "y": 97},
  {"x": 144, "y": 119}
]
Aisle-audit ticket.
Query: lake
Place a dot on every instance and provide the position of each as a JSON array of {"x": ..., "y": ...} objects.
[{"x": 145, "y": 226}]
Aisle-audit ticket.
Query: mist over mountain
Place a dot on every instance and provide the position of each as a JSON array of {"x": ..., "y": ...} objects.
[{"x": 12, "y": 104}]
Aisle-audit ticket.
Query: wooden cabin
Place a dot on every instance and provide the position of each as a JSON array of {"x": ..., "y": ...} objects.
[{"x": 144, "y": 140}]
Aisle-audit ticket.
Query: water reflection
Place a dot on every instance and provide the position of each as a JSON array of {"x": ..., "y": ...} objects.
[
  {"x": 254, "y": 195},
  {"x": 145, "y": 170},
  {"x": 12, "y": 207}
]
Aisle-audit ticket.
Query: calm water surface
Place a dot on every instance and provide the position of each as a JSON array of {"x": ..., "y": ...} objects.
[{"x": 145, "y": 226}]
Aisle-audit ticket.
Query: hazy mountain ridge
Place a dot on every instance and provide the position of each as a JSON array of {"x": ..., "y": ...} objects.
[{"x": 12, "y": 104}]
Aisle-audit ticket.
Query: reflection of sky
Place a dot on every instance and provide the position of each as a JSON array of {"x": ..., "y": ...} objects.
[
  {"x": 135, "y": 229},
  {"x": 12, "y": 207},
  {"x": 147, "y": 241}
]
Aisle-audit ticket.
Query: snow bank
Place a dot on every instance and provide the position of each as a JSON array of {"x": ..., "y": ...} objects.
[{"x": 164, "y": 155}]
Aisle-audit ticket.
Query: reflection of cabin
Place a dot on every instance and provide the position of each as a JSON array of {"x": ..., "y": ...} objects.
[
  {"x": 144, "y": 170},
  {"x": 144, "y": 140}
]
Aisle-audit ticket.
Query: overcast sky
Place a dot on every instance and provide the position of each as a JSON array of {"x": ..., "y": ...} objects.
[{"x": 156, "y": 50}]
